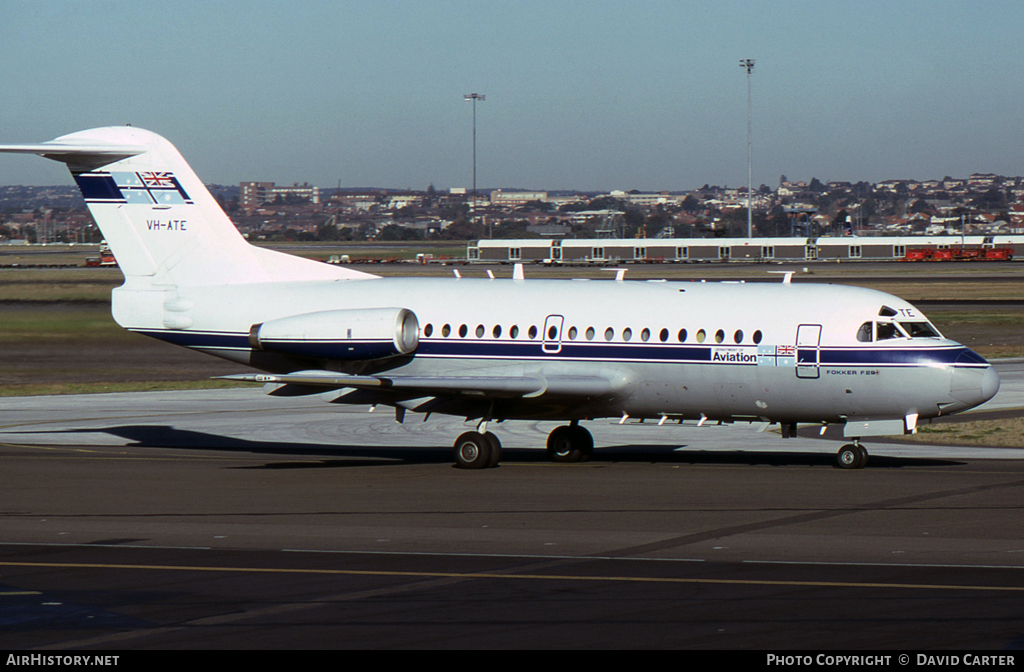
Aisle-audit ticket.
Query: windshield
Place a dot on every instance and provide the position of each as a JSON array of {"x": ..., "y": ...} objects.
[{"x": 920, "y": 330}]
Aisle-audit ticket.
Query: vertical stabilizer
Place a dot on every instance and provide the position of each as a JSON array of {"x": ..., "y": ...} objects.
[{"x": 163, "y": 226}]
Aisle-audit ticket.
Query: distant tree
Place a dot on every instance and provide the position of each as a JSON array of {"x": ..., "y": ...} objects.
[
  {"x": 327, "y": 231},
  {"x": 920, "y": 205},
  {"x": 839, "y": 222},
  {"x": 816, "y": 185},
  {"x": 691, "y": 203},
  {"x": 394, "y": 232}
]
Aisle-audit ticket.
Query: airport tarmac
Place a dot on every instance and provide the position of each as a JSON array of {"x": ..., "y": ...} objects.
[{"x": 228, "y": 519}]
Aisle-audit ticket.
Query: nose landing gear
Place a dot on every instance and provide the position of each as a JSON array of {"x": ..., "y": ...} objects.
[{"x": 852, "y": 456}]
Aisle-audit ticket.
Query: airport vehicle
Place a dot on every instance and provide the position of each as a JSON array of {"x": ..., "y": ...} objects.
[
  {"x": 504, "y": 349},
  {"x": 106, "y": 257},
  {"x": 959, "y": 254}
]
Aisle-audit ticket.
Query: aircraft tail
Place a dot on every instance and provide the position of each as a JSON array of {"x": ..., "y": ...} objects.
[{"x": 163, "y": 226}]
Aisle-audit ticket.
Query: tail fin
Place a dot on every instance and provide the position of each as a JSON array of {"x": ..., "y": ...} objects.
[{"x": 163, "y": 226}]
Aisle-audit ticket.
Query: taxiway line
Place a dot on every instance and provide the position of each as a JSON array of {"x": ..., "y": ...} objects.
[{"x": 494, "y": 575}]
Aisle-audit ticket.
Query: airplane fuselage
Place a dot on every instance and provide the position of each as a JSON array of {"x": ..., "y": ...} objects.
[{"x": 771, "y": 351}]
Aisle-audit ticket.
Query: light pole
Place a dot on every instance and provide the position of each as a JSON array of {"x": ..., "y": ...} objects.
[
  {"x": 748, "y": 65},
  {"x": 474, "y": 97}
]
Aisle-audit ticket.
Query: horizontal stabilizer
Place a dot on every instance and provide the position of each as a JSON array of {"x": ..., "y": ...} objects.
[{"x": 93, "y": 155}]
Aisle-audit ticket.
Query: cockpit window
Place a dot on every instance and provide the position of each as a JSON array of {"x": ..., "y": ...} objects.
[
  {"x": 920, "y": 330},
  {"x": 886, "y": 311},
  {"x": 887, "y": 330},
  {"x": 864, "y": 333}
]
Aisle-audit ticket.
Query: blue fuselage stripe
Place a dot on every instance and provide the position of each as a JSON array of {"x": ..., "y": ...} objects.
[{"x": 610, "y": 352}]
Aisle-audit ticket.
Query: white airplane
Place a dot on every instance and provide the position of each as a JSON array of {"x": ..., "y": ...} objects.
[{"x": 504, "y": 349}]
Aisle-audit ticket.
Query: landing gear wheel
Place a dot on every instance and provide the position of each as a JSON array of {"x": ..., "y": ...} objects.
[
  {"x": 852, "y": 456},
  {"x": 495, "y": 449},
  {"x": 473, "y": 450},
  {"x": 570, "y": 444}
]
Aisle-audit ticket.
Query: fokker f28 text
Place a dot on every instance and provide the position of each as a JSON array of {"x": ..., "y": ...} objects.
[{"x": 506, "y": 349}]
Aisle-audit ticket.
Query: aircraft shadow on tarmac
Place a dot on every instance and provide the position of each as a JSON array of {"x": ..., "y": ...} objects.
[{"x": 163, "y": 436}]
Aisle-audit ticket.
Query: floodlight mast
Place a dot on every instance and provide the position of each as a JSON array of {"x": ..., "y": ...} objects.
[
  {"x": 474, "y": 97},
  {"x": 748, "y": 65}
]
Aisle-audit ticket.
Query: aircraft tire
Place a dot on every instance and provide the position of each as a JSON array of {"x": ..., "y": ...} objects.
[
  {"x": 473, "y": 450},
  {"x": 852, "y": 456},
  {"x": 496, "y": 453},
  {"x": 585, "y": 440},
  {"x": 570, "y": 444}
]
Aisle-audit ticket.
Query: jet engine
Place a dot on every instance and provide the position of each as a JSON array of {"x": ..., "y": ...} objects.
[{"x": 372, "y": 333}]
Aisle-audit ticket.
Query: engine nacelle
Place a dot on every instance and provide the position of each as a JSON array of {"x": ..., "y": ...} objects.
[{"x": 373, "y": 333}]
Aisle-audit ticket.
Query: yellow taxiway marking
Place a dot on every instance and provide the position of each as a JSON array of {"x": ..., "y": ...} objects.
[{"x": 499, "y": 575}]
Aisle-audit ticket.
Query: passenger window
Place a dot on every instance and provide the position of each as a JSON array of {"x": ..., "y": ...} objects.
[
  {"x": 738, "y": 336},
  {"x": 682, "y": 335},
  {"x": 887, "y": 330},
  {"x": 590, "y": 333},
  {"x": 532, "y": 333},
  {"x": 446, "y": 330},
  {"x": 480, "y": 331},
  {"x": 463, "y": 330},
  {"x": 645, "y": 335},
  {"x": 572, "y": 333},
  {"x": 428, "y": 330},
  {"x": 552, "y": 332},
  {"x": 514, "y": 331},
  {"x": 627, "y": 334},
  {"x": 496, "y": 332},
  {"x": 864, "y": 333},
  {"x": 663, "y": 335},
  {"x": 757, "y": 337},
  {"x": 701, "y": 336},
  {"x": 719, "y": 336},
  {"x": 609, "y": 334}
]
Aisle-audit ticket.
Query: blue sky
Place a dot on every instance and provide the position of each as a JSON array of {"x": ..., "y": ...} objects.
[{"x": 588, "y": 95}]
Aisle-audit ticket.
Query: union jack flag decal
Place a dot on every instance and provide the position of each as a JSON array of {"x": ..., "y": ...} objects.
[{"x": 159, "y": 180}]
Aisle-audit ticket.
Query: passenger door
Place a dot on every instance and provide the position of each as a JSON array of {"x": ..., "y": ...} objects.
[{"x": 808, "y": 350}]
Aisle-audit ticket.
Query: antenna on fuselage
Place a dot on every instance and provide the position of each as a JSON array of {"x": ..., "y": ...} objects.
[
  {"x": 517, "y": 272},
  {"x": 620, "y": 273}
]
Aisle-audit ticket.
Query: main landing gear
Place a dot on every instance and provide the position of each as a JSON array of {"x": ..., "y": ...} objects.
[
  {"x": 568, "y": 443},
  {"x": 474, "y": 450},
  {"x": 852, "y": 456}
]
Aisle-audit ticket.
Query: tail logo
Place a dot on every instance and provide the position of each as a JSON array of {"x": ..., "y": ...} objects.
[{"x": 143, "y": 188}]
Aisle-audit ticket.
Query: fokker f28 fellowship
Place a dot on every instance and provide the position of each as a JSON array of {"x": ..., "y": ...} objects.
[{"x": 504, "y": 349}]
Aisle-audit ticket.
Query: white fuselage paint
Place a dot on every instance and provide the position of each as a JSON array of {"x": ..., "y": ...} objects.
[{"x": 838, "y": 376}]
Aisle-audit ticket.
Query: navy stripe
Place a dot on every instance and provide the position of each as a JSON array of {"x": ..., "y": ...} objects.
[
  {"x": 946, "y": 356},
  {"x": 99, "y": 187}
]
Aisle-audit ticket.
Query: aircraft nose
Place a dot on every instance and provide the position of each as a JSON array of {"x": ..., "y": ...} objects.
[{"x": 973, "y": 385}]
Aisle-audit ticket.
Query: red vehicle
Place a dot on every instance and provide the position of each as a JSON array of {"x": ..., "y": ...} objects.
[
  {"x": 998, "y": 254},
  {"x": 968, "y": 253},
  {"x": 959, "y": 254},
  {"x": 918, "y": 254},
  {"x": 106, "y": 257}
]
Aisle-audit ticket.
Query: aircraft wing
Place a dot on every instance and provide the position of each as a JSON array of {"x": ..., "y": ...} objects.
[{"x": 488, "y": 386}]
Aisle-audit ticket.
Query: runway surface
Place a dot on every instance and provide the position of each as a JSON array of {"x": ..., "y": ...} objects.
[{"x": 227, "y": 519}]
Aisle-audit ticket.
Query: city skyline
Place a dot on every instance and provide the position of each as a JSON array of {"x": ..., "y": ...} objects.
[{"x": 580, "y": 96}]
